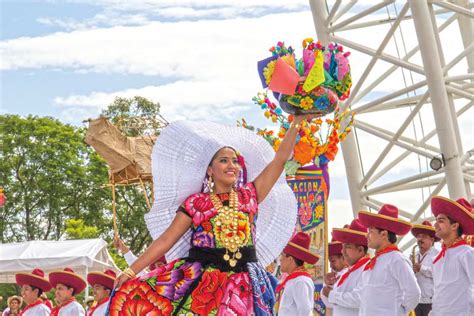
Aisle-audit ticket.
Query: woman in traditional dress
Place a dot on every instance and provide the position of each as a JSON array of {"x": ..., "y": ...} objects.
[{"x": 214, "y": 248}]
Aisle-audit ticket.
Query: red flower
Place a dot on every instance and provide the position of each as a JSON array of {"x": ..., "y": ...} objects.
[
  {"x": 199, "y": 207},
  {"x": 207, "y": 226},
  {"x": 208, "y": 294},
  {"x": 237, "y": 298},
  {"x": 163, "y": 305},
  {"x": 247, "y": 199}
]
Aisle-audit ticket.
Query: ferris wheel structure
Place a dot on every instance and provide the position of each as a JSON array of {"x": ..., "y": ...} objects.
[{"x": 413, "y": 72}]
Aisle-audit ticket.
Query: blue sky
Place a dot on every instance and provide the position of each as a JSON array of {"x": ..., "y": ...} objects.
[{"x": 69, "y": 59}]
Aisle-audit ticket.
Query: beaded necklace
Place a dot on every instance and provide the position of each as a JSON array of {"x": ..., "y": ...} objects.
[{"x": 228, "y": 220}]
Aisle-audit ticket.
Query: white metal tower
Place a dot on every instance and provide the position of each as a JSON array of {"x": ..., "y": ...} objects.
[{"x": 413, "y": 92}]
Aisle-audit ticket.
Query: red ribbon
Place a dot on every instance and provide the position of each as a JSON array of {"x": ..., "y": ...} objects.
[
  {"x": 356, "y": 266},
  {"x": 105, "y": 300},
  {"x": 55, "y": 311},
  {"x": 455, "y": 244},
  {"x": 293, "y": 275},
  {"x": 38, "y": 301},
  {"x": 372, "y": 261}
]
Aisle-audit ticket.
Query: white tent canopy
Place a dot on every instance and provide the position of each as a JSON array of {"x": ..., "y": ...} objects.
[{"x": 83, "y": 256}]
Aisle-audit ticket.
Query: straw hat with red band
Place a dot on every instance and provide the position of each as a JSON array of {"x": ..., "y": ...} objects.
[
  {"x": 35, "y": 278},
  {"x": 298, "y": 247},
  {"x": 356, "y": 233},
  {"x": 424, "y": 228},
  {"x": 69, "y": 278},
  {"x": 335, "y": 248},
  {"x": 459, "y": 211},
  {"x": 386, "y": 218},
  {"x": 106, "y": 278}
]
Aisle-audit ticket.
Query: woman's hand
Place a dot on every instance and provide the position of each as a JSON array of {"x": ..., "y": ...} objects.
[{"x": 121, "y": 279}]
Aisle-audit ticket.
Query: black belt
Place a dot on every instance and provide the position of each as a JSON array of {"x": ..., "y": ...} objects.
[{"x": 215, "y": 257}]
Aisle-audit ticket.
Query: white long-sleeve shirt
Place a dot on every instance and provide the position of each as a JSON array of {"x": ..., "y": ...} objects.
[
  {"x": 72, "y": 309},
  {"x": 329, "y": 311},
  {"x": 389, "y": 289},
  {"x": 100, "y": 310},
  {"x": 38, "y": 310},
  {"x": 454, "y": 282},
  {"x": 347, "y": 288},
  {"x": 297, "y": 298},
  {"x": 425, "y": 276}
]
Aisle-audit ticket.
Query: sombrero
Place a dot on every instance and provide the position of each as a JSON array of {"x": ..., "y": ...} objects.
[
  {"x": 356, "y": 233},
  {"x": 106, "y": 278},
  {"x": 386, "y": 218},
  {"x": 459, "y": 211},
  {"x": 69, "y": 278},
  {"x": 180, "y": 159},
  {"x": 424, "y": 228},
  {"x": 298, "y": 247},
  {"x": 35, "y": 278},
  {"x": 334, "y": 248}
]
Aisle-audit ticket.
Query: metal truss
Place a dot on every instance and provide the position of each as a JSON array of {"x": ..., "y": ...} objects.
[{"x": 433, "y": 90}]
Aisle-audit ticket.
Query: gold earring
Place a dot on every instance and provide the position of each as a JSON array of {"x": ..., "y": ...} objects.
[{"x": 210, "y": 184}]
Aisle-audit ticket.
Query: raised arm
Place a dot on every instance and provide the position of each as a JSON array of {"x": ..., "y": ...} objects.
[
  {"x": 160, "y": 246},
  {"x": 268, "y": 177}
]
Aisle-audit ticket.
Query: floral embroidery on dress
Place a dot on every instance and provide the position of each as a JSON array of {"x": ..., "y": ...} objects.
[{"x": 185, "y": 287}]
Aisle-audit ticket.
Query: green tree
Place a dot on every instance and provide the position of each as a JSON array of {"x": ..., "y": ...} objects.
[
  {"x": 135, "y": 116},
  {"x": 49, "y": 175},
  {"x": 76, "y": 229}
]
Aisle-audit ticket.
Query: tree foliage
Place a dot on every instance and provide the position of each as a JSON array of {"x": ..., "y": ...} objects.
[
  {"x": 49, "y": 175},
  {"x": 56, "y": 185}
]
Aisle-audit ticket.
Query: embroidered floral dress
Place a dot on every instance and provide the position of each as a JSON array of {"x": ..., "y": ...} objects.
[{"x": 204, "y": 283}]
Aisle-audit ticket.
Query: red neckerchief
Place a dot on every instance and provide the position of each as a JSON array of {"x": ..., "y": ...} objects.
[
  {"x": 291, "y": 276},
  {"x": 38, "y": 301},
  {"x": 372, "y": 261},
  {"x": 356, "y": 266},
  {"x": 455, "y": 244},
  {"x": 105, "y": 300},
  {"x": 55, "y": 311}
]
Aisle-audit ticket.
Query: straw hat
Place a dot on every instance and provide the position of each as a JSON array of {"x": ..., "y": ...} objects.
[
  {"x": 69, "y": 278},
  {"x": 15, "y": 297},
  {"x": 356, "y": 233},
  {"x": 424, "y": 228},
  {"x": 35, "y": 278},
  {"x": 386, "y": 218},
  {"x": 460, "y": 211},
  {"x": 298, "y": 247},
  {"x": 334, "y": 248},
  {"x": 180, "y": 159},
  {"x": 106, "y": 278}
]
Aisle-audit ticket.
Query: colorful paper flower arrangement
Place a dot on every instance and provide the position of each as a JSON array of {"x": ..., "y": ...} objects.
[
  {"x": 317, "y": 142},
  {"x": 312, "y": 84}
]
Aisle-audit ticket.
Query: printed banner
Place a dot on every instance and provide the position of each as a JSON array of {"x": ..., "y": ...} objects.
[{"x": 311, "y": 188}]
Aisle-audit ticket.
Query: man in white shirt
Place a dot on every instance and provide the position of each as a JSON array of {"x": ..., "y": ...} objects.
[
  {"x": 388, "y": 286},
  {"x": 32, "y": 286},
  {"x": 354, "y": 250},
  {"x": 67, "y": 284},
  {"x": 423, "y": 264},
  {"x": 295, "y": 294},
  {"x": 453, "y": 267},
  {"x": 102, "y": 285}
]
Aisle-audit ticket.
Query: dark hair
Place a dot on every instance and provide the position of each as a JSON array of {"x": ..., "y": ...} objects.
[
  {"x": 215, "y": 155},
  {"x": 40, "y": 291},
  {"x": 460, "y": 231},
  {"x": 298, "y": 262},
  {"x": 392, "y": 238},
  {"x": 365, "y": 248}
]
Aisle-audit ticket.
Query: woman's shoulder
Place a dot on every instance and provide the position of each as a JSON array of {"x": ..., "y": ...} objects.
[{"x": 248, "y": 198}]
